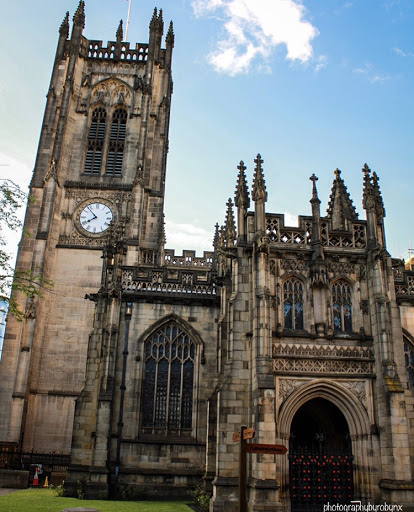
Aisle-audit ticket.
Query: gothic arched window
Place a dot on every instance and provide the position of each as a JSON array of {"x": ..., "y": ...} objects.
[
  {"x": 116, "y": 143},
  {"x": 96, "y": 139},
  {"x": 409, "y": 359},
  {"x": 293, "y": 304},
  {"x": 342, "y": 306},
  {"x": 168, "y": 386}
]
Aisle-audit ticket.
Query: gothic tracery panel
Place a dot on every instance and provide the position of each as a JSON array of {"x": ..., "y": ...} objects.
[{"x": 169, "y": 378}]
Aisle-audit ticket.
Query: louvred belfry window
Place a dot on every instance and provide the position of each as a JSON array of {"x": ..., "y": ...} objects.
[
  {"x": 342, "y": 306},
  {"x": 96, "y": 139},
  {"x": 293, "y": 304},
  {"x": 167, "y": 403},
  {"x": 116, "y": 143}
]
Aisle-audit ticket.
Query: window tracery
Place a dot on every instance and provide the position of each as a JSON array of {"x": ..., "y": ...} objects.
[
  {"x": 169, "y": 378},
  {"x": 116, "y": 143},
  {"x": 96, "y": 140},
  {"x": 409, "y": 359},
  {"x": 342, "y": 306},
  {"x": 293, "y": 304}
]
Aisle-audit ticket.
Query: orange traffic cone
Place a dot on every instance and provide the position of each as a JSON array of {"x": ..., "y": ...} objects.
[
  {"x": 46, "y": 484},
  {"x": 36, "y": 478}
]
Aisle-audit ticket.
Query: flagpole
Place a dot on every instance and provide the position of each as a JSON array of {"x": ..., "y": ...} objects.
[{"x": 127, "y": 23}]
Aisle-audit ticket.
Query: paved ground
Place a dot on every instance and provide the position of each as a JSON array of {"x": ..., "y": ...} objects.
[{"x": 4, "y": 491}]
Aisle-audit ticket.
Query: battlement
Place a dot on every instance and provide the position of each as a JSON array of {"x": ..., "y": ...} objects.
[
  {"x": 96, "y": 50},
  {"x": 277, "y": 232},
  {"x": 188, "y": 259}
]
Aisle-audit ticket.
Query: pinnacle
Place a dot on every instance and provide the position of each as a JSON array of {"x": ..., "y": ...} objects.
[
  {"x": 79, "y": 16},
  {"x": 241, "y": 198},
  {"x": 170, "y": 35},
  {"x": 314, "y": 179},
  {"x": 259, "y": 186},
  {"x": 120, "y": 31},
  {"x": 340, "y": 207},
  {"x": 64, "y": 27}
]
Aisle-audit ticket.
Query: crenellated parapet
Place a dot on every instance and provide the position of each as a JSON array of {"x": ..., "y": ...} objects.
[{"x": 96, "y": 50}]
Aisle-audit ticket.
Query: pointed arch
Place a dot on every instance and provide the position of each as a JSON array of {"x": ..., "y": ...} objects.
[
  {"x": 408, "y": 342},
  {"x": 171, "y": 350},
  {"x": 354, "y": 412}
]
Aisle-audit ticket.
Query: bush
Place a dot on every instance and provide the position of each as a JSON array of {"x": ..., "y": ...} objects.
[
  {"x": 59, "y": 490},
  {"x": 201, "y": 499}
]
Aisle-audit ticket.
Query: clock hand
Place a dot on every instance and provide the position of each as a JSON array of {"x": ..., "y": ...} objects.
[{"x": 94, "y": 216}]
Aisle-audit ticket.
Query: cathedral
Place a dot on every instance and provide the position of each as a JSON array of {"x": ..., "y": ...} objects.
[{"x": 145, "y": 366}]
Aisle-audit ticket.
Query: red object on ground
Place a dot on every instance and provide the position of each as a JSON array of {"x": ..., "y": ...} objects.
[{"x": 36, "y": 478}]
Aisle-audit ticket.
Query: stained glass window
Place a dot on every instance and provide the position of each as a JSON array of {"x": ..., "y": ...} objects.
[
  {"x": 116, "y": 143},
  {"x": 342, "y": 306},
  {"x": 96, "y": 139},
  {"x": 293, "y": 304},
  {"x": 169, "y": 378},
  {"x": 409, "y": 359}
]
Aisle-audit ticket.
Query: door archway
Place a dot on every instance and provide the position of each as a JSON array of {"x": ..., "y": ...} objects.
[{"x": 320, "y": 460}]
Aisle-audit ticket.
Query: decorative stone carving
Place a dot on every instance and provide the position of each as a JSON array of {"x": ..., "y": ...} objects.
[
  {"x": 357, "y": 388},
  {"x": 288, "y": 386}
]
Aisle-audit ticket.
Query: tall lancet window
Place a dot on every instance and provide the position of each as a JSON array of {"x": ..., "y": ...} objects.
[
  {"x": 96, "y": 139},
  {"x": 342, "y": 306},
  {"x": 293, "y": 304},
  {"x": 167, "y": 405},
  {"x": 116, "y": 143},
  {"x": 409, "y": 359}
]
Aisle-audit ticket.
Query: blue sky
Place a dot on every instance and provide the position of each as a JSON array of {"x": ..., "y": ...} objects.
[{"x": 311, "y": 85}]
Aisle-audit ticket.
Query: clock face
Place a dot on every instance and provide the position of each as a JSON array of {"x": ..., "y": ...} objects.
[{"x": 95, "y": 218}]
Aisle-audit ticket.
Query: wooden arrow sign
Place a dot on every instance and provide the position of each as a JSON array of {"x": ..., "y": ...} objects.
[
  {"x": 248, "y": 433},
  {"x": 236, "y": 437},
  {"x": 271, "y": 449}
]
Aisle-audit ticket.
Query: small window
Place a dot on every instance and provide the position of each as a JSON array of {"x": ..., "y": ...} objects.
[
  {"x": 342, "y": 307},
  {"x": 293, "y": 304},
  {"x": 116, "y": 143},
  {"x": 93, "y": 161},
  {"x": 168, "y": 385}
]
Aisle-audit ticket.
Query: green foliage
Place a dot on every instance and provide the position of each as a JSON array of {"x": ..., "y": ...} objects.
[
  {"x": 30, "y": 282},
  {"x": 201, "y": 499},
  {"x": 81, "y": 489},
  {"x": 45, "y": 500},
  {"x": 59, "y": 490}
]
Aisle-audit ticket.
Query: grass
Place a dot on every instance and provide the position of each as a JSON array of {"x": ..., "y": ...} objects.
[{"x": 45, "y": 500}]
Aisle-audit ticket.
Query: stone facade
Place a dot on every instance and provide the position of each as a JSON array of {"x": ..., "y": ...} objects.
[{"x": 304, "y": 333}]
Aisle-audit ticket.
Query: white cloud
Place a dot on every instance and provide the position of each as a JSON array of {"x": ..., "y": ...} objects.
[
  {"x": 254, "y": 28},
  {"x": 189, "y": 237},
  {"x": 402, "y": 53},
  {"x": 321, "y": 63}
]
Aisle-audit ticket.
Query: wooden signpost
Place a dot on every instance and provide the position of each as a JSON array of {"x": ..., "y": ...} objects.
[{"x": 244, "y": 448}]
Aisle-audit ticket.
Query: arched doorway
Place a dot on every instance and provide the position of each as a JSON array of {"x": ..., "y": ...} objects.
[{"x": 320, "y": 460}]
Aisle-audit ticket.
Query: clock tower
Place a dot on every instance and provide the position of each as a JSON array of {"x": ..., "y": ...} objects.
[{"x": 100, "y": 164}]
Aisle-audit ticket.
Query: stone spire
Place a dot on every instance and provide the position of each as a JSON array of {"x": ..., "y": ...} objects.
[
  {"x": 318, "y": 270},
  {"x": 154, "y": 19},
  {"x": 368, "y": 193},
  {"x": 64, "y": 27},
  {"x": 379, "y": 203},
  {"x": 259, "y": 187},
  {"x": 340, "y": 207},
  {"x": 230, "y": 225},
  {"x": 216, "y": 236},
  {"x": 79, "y": 16},
  {"x": 169, "y": 40},
  {"x": 241, "y": 196},
  {"x": 120, "y": 32}
]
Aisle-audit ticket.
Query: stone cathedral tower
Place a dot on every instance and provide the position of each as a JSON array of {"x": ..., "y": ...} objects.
[
  {"x": 304, "y": 334},
  {"x": 101, "y": 162}
]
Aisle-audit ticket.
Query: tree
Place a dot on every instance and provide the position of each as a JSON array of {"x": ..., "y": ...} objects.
[{"x": 28, "y": 282}]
